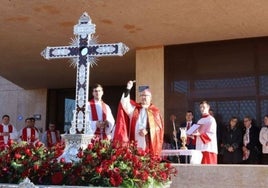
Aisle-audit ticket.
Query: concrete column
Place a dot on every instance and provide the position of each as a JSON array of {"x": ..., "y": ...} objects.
[{"x": 150, "y": 71}]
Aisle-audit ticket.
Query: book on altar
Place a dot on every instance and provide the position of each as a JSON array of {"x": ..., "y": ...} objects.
[{"x": 192, "y": 129}]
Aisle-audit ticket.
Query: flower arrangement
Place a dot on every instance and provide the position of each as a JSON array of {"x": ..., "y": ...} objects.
[
  {"x": 102, "y": 163},
  {"x": 20, "y": 160}
]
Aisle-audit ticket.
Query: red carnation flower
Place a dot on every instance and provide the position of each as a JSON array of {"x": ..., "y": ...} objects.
[
  {"x": 17, "y": 156},
  {"x": 116, "y": 170},
  {"x": 28, "y": 152},
  {"x": 38, "y": 144},
  {"x": 25, "y": 173},
  {"x": 10, "y": 142},
  {"x": 163, "y": 176},
  {"x": 36, "y": 166},
  {"x": 113, "y": 158},
  {"x": 80, "y": 154},
  {"x": 141, "y": 152},
  {"x": 62, "y": 160},
  {"x": 136, "y": 172},
  {"x": 145, "y": 176},
  {"x": 99, "y": 169},
  {"x": 116, "y": 180},
  {"x": 90, "y": 146},
  {"x": 57, "y": 178},
  {"x": 168, "y": 165},
  {"x": 88, "y": 158}
]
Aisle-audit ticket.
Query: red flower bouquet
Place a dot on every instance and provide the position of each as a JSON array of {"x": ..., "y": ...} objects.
[{"x": 102, "y": 163}]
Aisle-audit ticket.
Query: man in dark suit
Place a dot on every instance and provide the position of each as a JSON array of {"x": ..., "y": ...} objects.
[{"x": 190, "y": 143}]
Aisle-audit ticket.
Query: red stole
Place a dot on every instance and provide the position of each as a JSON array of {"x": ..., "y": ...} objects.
[
  {"x": 31, "y": 138},
  {"x": 10, "y": 130},
  {"x": 49, "y": 138},
  {"x": 95, "y": 116},
  {"x": 156, "y": 127}
]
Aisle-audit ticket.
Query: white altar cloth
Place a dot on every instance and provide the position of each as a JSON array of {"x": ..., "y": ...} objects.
[{"x": 196, "y": 155}]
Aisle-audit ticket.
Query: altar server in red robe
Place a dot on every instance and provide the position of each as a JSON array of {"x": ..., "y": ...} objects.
[
  {"x": 29, "y": 133},
  {"x": 206, "y": 140},
  {"x": 7, "y": 131},
  {"x": 100, "y": 114},
  {"x": 52, "y": 136},
  {"x": 140, "y": 122}
]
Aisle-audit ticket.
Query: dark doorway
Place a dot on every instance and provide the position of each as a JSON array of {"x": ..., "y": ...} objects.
[{"x": 61, "y": 104}]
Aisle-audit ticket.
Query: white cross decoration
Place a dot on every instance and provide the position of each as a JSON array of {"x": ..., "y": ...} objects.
[{"x": 84, "y": 52}]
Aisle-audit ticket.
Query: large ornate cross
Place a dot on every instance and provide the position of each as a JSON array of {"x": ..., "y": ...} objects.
[{"x": 84, "y": 51}]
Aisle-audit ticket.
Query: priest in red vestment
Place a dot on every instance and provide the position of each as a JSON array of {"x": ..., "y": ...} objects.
[
  {"x": 7, "y": 131},
  {"x": 29, "y": 133},
  {"x": 140, "y": 122},
  {"x": 52, "y": 136},
  {"x": 100, "y": 116}
]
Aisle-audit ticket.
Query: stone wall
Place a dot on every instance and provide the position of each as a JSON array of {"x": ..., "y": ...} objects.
[
  {"x": 221, "y": 176},
  {"x": 19, "y": 103},
  {"x": 209, "y": 176}
]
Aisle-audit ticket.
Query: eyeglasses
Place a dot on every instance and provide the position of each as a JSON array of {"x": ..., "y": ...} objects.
[{"x": 145, "y": 95}]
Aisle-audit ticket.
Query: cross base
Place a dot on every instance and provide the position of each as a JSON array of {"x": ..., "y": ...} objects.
[{"x": 73, "y": 142}]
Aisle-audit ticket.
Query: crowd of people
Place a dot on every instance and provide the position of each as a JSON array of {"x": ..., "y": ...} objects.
[
  {"x": 204, "y": 137},
  {"x": 238, "y": 142},
  {"x": 235, "y": 143},
  {"x": 29, "y": 133},
  {"x": 136, "y": 121}
]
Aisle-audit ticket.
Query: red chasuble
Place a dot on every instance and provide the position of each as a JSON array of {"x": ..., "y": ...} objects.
[{"x": 125, "y": 130}]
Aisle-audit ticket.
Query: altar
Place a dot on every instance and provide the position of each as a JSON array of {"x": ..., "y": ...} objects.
[{"x": 195, "y": 155}]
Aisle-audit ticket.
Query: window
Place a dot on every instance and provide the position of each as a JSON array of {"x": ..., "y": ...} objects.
[{"x": 231, "y": 75}]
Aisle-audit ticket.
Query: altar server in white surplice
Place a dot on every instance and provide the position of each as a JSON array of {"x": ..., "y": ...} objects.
[
  {"x": 100, "y": 115},
  {"x": 206, "y": 140}
]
